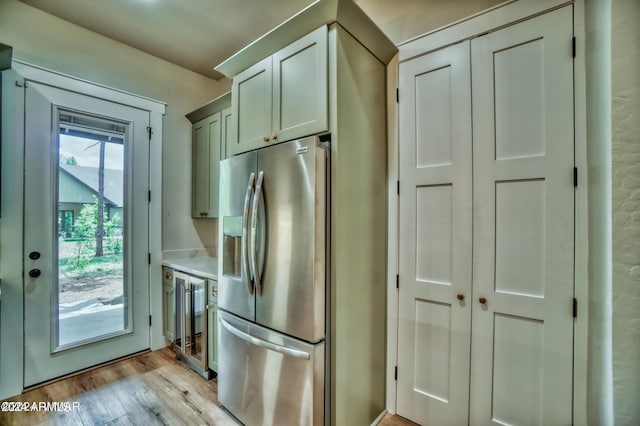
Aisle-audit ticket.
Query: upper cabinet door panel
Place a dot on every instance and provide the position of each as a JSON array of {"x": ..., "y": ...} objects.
[
  {"x": 206, "y": 156},
  {"x": 251, "y": 104},
  {"x": 300, "y": 93},
  {"x": 227, "y": 133}
]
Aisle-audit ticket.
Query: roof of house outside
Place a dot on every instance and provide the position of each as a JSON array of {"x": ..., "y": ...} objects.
[{"x": 113, "y": 181}]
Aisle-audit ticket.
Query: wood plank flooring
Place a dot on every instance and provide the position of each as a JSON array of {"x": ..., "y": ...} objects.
[{"x": 149, "y": 389}]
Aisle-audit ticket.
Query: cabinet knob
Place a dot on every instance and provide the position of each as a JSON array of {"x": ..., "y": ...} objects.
[
  {"x": 265, "y": 138},
  {"x": 274, "y": 137},
  {"x": 460, "y": 297},
  {"x": 482, "y": 300}
]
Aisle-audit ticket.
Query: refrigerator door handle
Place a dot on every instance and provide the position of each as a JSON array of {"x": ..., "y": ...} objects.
[
  {"x": 245, "y": 233},
  {"x": 295, "y": 353},
  {"x": 254, "y": 229}
]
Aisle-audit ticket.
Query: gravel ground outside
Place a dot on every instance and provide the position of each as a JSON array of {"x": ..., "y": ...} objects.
[
  {"x": 105, "y": 283},
  {"x": 105, "y": 288}
]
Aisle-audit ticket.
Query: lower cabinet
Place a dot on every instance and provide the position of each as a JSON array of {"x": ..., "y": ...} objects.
[
  {"x": 168, "y": 305},
  {"x": 213, "y": 326}
]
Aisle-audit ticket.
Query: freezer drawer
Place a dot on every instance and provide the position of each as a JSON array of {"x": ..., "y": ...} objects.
[{"x": 269, "y": 378}]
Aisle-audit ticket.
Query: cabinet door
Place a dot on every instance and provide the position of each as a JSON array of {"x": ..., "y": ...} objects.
[
  {"x": 251, "y": 106},
  {"x": 213, "y": 336},
  {"x": 300, "y": 87},
  {"x": 226, "y": 133},
  {"x": 168, "y": 305},
  {"x": 196, "y": 321},
  {"x": 168, "y": 312},
  {"x": 206, "y": 140},
  {"x": 212, "y": 344}
]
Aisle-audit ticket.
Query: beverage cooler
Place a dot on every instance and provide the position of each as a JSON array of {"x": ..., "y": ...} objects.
[{"x": 191, "y": 331}]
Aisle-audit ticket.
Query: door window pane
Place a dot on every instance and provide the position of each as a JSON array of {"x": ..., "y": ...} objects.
[{"x": 91, "y": 296}]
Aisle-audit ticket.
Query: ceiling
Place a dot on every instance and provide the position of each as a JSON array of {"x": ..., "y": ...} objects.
[
  {"x": 200, "y": 34},
  {"x": 195, "y": 34}
]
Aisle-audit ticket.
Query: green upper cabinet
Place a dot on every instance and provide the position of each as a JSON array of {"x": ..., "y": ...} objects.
[
  {"x": 300, "y": 87},
  {"x": 206, "y": 138},
  {"x": 227, "y": 132},
  {"x": 251, "y": 104},
  {"x": 282, "y": 97},
  {"x": 210, "y": 130}
]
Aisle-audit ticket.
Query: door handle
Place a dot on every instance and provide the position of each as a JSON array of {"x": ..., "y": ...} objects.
[
  {"x": 245, "y": 232},
  {"x": 34, "y": 273},
  {"x": 254, "y": 230},
  {"x": 295, "y": 353}
]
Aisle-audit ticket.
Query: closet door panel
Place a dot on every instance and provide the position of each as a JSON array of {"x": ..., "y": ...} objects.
[
  {"x": 435, "y": 237},
  {"x": 523, "y": 240}
]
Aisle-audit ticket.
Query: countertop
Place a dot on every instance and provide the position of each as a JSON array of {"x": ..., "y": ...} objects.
[{"x": 201, "y": 266}]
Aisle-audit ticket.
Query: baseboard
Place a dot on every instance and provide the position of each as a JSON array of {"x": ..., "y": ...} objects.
[{"x": 379, "y": 418}]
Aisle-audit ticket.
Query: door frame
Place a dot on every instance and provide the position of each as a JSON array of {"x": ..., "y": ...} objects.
[
  {"x": 11, "y": 235},
  {"x": 488, "y": 20}
]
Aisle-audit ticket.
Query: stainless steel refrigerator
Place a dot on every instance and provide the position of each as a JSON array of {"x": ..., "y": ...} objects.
[{"x": 272, "y": 284}]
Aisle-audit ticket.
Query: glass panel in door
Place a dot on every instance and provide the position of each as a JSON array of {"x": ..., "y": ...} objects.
[
  {"x": 91, "y": 291},
  {"x": 198, "y": 322}
]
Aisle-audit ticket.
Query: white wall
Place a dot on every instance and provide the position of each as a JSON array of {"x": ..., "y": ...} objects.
[
  {"x": 44, "y": 40},
  {"x": 625, "y": 71}
]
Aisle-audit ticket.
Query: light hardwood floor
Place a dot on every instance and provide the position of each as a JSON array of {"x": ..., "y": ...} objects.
[{"x": 149, "y": 389}]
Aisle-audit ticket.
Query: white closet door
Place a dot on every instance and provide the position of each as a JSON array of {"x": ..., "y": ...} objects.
[
  {"x": 435, "y": 237},
  {"x": 523, "y": 223}
]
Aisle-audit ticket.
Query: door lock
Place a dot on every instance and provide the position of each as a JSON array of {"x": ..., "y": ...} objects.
[
  {"x": 34, "y": 255},
  {"x": 34, "y": 273}
]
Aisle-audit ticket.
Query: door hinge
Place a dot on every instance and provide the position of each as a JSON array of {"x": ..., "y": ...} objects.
[
  {"x": 396, "y": 373},
  {"x": 149, "y": 195},
  {"x": 397, "y": 281},
  {"x": 150, "y": 131},
  {"x": 573, "y": 47},
  {"x": 149, "y": 258},
  {"x": 397, "y": 95},
  {"x": 149, "y": 320},
  {"x": 21, "y": 83},
  {"x": 575, "y": 176},
  {"x": 575, "y": 307}
]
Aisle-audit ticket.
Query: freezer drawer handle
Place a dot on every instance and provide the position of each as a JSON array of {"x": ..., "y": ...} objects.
[
  {"x": 245, "y": 232},
  {"x": 253, "y": 260},
  {"x": 295, "y": 353}
]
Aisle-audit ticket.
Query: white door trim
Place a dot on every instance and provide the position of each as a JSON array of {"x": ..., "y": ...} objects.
[
  {"x": 491, "y": 19},
  {"x": 11, "y": 362},
  {"x": 11, "y": 225},
  {"x": 74, "y": 84},
  {"x": 502, "y": 15}
]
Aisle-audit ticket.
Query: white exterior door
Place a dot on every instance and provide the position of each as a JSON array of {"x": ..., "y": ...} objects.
[
  {"x": 523, "y": 239},
  {"x": 62, "y": 336},
  {"x": 435, "y": 237},
  {"x": 491, "y": 222}
]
